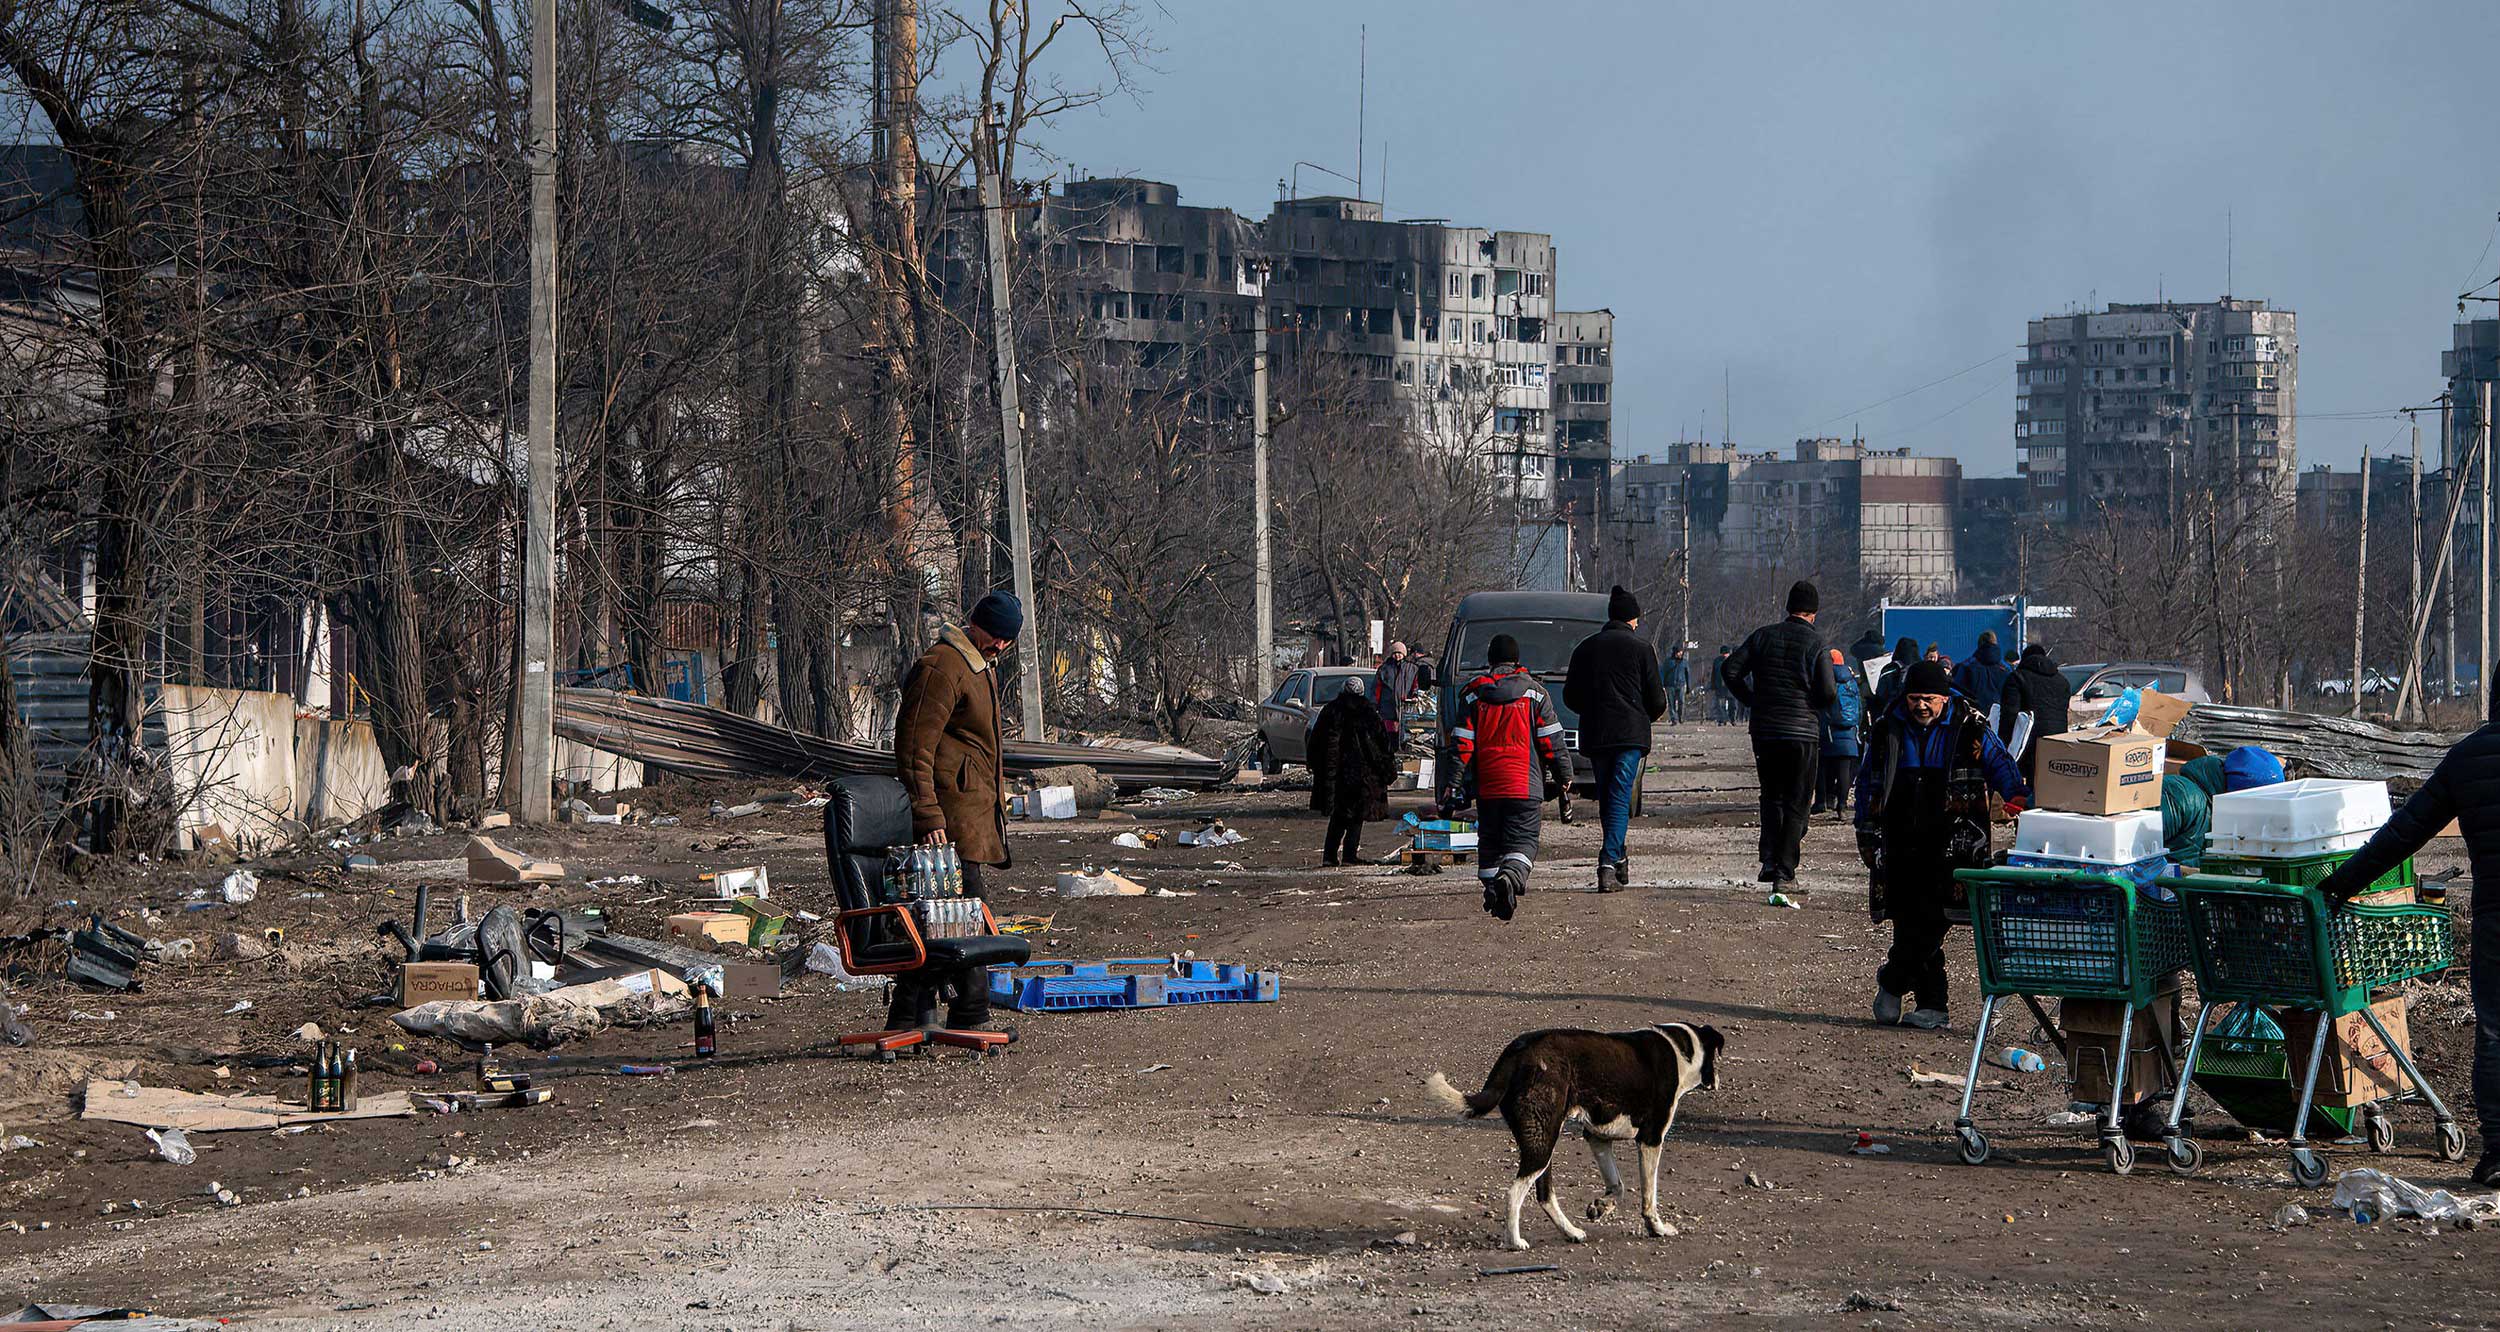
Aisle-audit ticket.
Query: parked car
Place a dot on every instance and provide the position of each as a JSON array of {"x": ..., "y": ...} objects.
[
  {"x": 1548, "y": 626},
  {"x": 1285, "y": 716},
  {"x": 2098, "y": 684},
  {"x": 2372, "y": 682}
]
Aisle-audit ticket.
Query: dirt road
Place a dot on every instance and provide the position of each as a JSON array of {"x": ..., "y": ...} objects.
[{"x": 1250, "y": 1166}]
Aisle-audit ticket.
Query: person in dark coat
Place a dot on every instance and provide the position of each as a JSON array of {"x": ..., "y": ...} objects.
[
  {"x": 1780, "y": 672},
  {"x": 1678, "y": 683},
  {"x": 1982, "y": 678},
  {"x": 2037, "y": 687},
  {"x": 1722, "y": 700},
  {"x": 2465, "y": 789},
  {"x": 1613, "y": 686},
  {"x": 1351, "y": 759},
  {"x": 1922, "y": 814},
  {"x": 1888, "y": 684},
  {"x": 1397, "y": 678}
]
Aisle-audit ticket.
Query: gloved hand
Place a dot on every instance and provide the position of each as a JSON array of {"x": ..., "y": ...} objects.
[{"x": 1871, "y": 848}]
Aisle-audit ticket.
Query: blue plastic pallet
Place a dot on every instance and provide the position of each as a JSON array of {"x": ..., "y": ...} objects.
[{"x": 1088, "y": 985}]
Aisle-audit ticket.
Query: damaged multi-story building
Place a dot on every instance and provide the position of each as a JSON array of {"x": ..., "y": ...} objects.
[
  {"x": 1455, "y": 329},
  {"x": 2123, "y": 408}
]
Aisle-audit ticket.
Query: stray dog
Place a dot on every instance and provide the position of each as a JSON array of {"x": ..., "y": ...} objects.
[{"x": 1618, "y": 1084}]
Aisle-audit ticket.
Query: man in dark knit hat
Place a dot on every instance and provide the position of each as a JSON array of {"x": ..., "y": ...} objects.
[
  {"x": 949, "y": 758},
  {"x": 1615, "y": 689},
  {"x": 1509, "y": 745},
  {"x": 1922, "y": 814},
  {"x": 1782, "y": 675}
]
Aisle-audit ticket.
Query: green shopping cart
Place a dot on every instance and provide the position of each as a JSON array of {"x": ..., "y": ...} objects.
[
  {"x": 2071, "y": 935},
  {"x": 2281, "y": 946}
]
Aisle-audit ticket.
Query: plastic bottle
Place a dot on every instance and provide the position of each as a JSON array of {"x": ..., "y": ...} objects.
[
  {"x": 347, "y": 1081},
  {"x": 2363, "y": 1214},
  {"x": 2021, "y": 1060}
]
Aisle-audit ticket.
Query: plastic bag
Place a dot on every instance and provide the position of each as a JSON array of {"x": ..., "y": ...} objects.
[
  {"x": 173, "y": 1146},
  {"x": 240, "y": 887},
  {"x": 2123, "y": 711},
  {"x": 2379, "y": 1195}
]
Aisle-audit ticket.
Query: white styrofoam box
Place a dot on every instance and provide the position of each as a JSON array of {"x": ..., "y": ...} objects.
[
  {"x": 1055, "y": 802},
  {"x": 2103, "y": 839},
  {"x": 2304, "y": 818}
]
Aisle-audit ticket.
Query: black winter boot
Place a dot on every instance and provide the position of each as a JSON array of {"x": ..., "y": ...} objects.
[
  {"x": 912, "y": 1006},
  {"x": 968, "y": 1000}
]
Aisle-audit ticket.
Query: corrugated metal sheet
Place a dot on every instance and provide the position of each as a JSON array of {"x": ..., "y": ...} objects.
[{"x": 2323, "y": 746}]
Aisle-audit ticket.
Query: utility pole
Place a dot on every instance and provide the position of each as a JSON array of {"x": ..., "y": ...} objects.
[
  {"x": 2455, "y": 469},
  {"x": 1011, "y": 423},
  {"x": 2440, "y": 562},
  {"x": 1264, "y": 601},
  {"x": 534, "y": 747},
  {"x": 2361, "y": 584},
  {"x": 2413, "y": 580},
  {"x": 1684, "y": 556},
  {"x": 2482, "y": 667}
]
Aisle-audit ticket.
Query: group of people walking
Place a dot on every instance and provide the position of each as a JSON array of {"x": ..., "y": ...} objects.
[{"x": 1918, "y": 755}]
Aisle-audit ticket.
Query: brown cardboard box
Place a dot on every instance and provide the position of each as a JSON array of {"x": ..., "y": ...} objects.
[
  {"x": 491, "y": 862},
  {"x": 2357, "y": 1067},
  {"x": 2177, "y": 754},
  {"x": 2091, "y": 1027},
  {"x": 2160, "y": 714},
  {"x": 714, "y": 926},
  {"x": 2404, "y": 896},
  {"x": 2098, "y": 771},
  {"x": 425, "y": 982}
]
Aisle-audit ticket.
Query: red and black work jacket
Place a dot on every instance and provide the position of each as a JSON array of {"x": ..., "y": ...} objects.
[{"x": 1507, "y": 735}]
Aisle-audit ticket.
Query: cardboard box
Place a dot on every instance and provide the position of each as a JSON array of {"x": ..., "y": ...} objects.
[
  {"x": 2091, "y": 1027},
  {"x": 711, "y": 926},
  {"x": 2357, "y": 1067},
  {"x": 764, "y": 925},
  {"x": 490, "y": 862},
  {"x": 425, "y": 982},
  {"x": 2177, "y": 754},
  {"x": 2159, "y": 714},
  {"x": 2102, "y": 770},
  {"x": 2404, "y": 896}
]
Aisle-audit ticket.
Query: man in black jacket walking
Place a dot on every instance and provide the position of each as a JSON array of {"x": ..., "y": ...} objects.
[
  {"x": 2034, "y": 686},
  {"x": 1782, "y": 675},
  {"x": 1614, "y": 686},
  {"x": 2466, "y": 788}
]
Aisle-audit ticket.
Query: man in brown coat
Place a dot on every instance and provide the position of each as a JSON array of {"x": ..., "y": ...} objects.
[{"x": 946, "y": 746}]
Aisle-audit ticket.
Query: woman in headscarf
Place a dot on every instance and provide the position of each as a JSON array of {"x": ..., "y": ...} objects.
[{"x": 1350, "y": 762}]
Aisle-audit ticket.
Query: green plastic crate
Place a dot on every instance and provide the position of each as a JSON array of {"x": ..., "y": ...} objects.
[
  {"x": 2250, "y": 1075},
  {"x": 2276, "y": 944},
  {"x": 2305, "y": 871},
  {"x": 2074, "y": 935}
]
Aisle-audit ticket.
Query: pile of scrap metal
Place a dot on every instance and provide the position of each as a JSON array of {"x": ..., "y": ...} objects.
[
  {"x": 98, "y": 955},
  {"x": 2318, "y": 746},
  {"x": 697, "y": 741}
]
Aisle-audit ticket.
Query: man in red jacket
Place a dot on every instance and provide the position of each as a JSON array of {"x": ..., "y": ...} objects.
[{"x": 1507, "y": 752}]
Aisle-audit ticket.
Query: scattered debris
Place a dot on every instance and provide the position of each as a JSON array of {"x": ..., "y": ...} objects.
[
  {"x": 490, "y": 862},
  {"x": 1861, "y": 1302},
  {"x": 240, "y": 1006},
  {"x": 749, "y": 881},
  {"x": 1919, "y": 1075},
  {"x": 2379, "y": 1195},
  {"x": 1132, "y": 841},
  {"x": 173, "y": 1146},
  {"x": 1155, "y": 1068},
  {"x": 1106, "y": 883},
  {"x": 200, "y": 1112},
  {"x": 239, "y": 947},
  {"x": 1867, "y": 1146},
  {"x": 1754, "y": 1181},
  {"x": 1525, "y": 1269},
  {"x": 2289, "y": 1215},
  {"x": 240, "y": 887}
]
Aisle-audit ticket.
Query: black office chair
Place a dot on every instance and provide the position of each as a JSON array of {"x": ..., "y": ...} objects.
[{"x": 865, "y": 817}]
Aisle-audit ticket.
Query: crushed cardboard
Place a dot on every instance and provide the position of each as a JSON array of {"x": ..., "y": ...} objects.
[
  {"x": 490, "y": 862},
  {"x": 199, "y": 1112}
]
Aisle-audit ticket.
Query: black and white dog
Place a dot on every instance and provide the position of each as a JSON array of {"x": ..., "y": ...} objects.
[{"x": 1618, "y": 1084}]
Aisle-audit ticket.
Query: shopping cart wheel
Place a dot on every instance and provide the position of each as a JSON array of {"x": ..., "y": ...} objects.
[
  {"x": 2380, "y": 1129},
  {"x": 2186, "y": 1155},
  {"x": 1974, "y": 1146},
  {"x": 2308, "y": 1168},
  {"x": 2451, "y": 1141},
  {"x": 2120, "y": 1154}
]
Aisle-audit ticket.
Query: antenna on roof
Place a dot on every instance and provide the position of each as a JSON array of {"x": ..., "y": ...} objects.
[{"x": 1362, "y": 94}]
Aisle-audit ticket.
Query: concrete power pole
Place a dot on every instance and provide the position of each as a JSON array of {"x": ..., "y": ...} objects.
[
  {"x": 2413, "y": 582},
  {"x": 2361, "y": 584},
  {"x": 1011, "y": 425},
  {"x": 1264, "y": 602},
  {"x": 2453, "y": 467},
  {"x": 534, "y": 747}
]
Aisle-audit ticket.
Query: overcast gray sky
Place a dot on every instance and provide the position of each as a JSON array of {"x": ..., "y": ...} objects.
[{"x": 1839, "y": 202}]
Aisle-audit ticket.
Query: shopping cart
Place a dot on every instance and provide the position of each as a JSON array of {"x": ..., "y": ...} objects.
[
  {"x": 2072, "y": 935},
  {"x": 2279, "y": 946}
]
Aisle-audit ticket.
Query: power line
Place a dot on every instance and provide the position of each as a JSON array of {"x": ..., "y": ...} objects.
[
  {"x": 1993, "y": 386},
  {"x": 1920, "y": 389}
]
